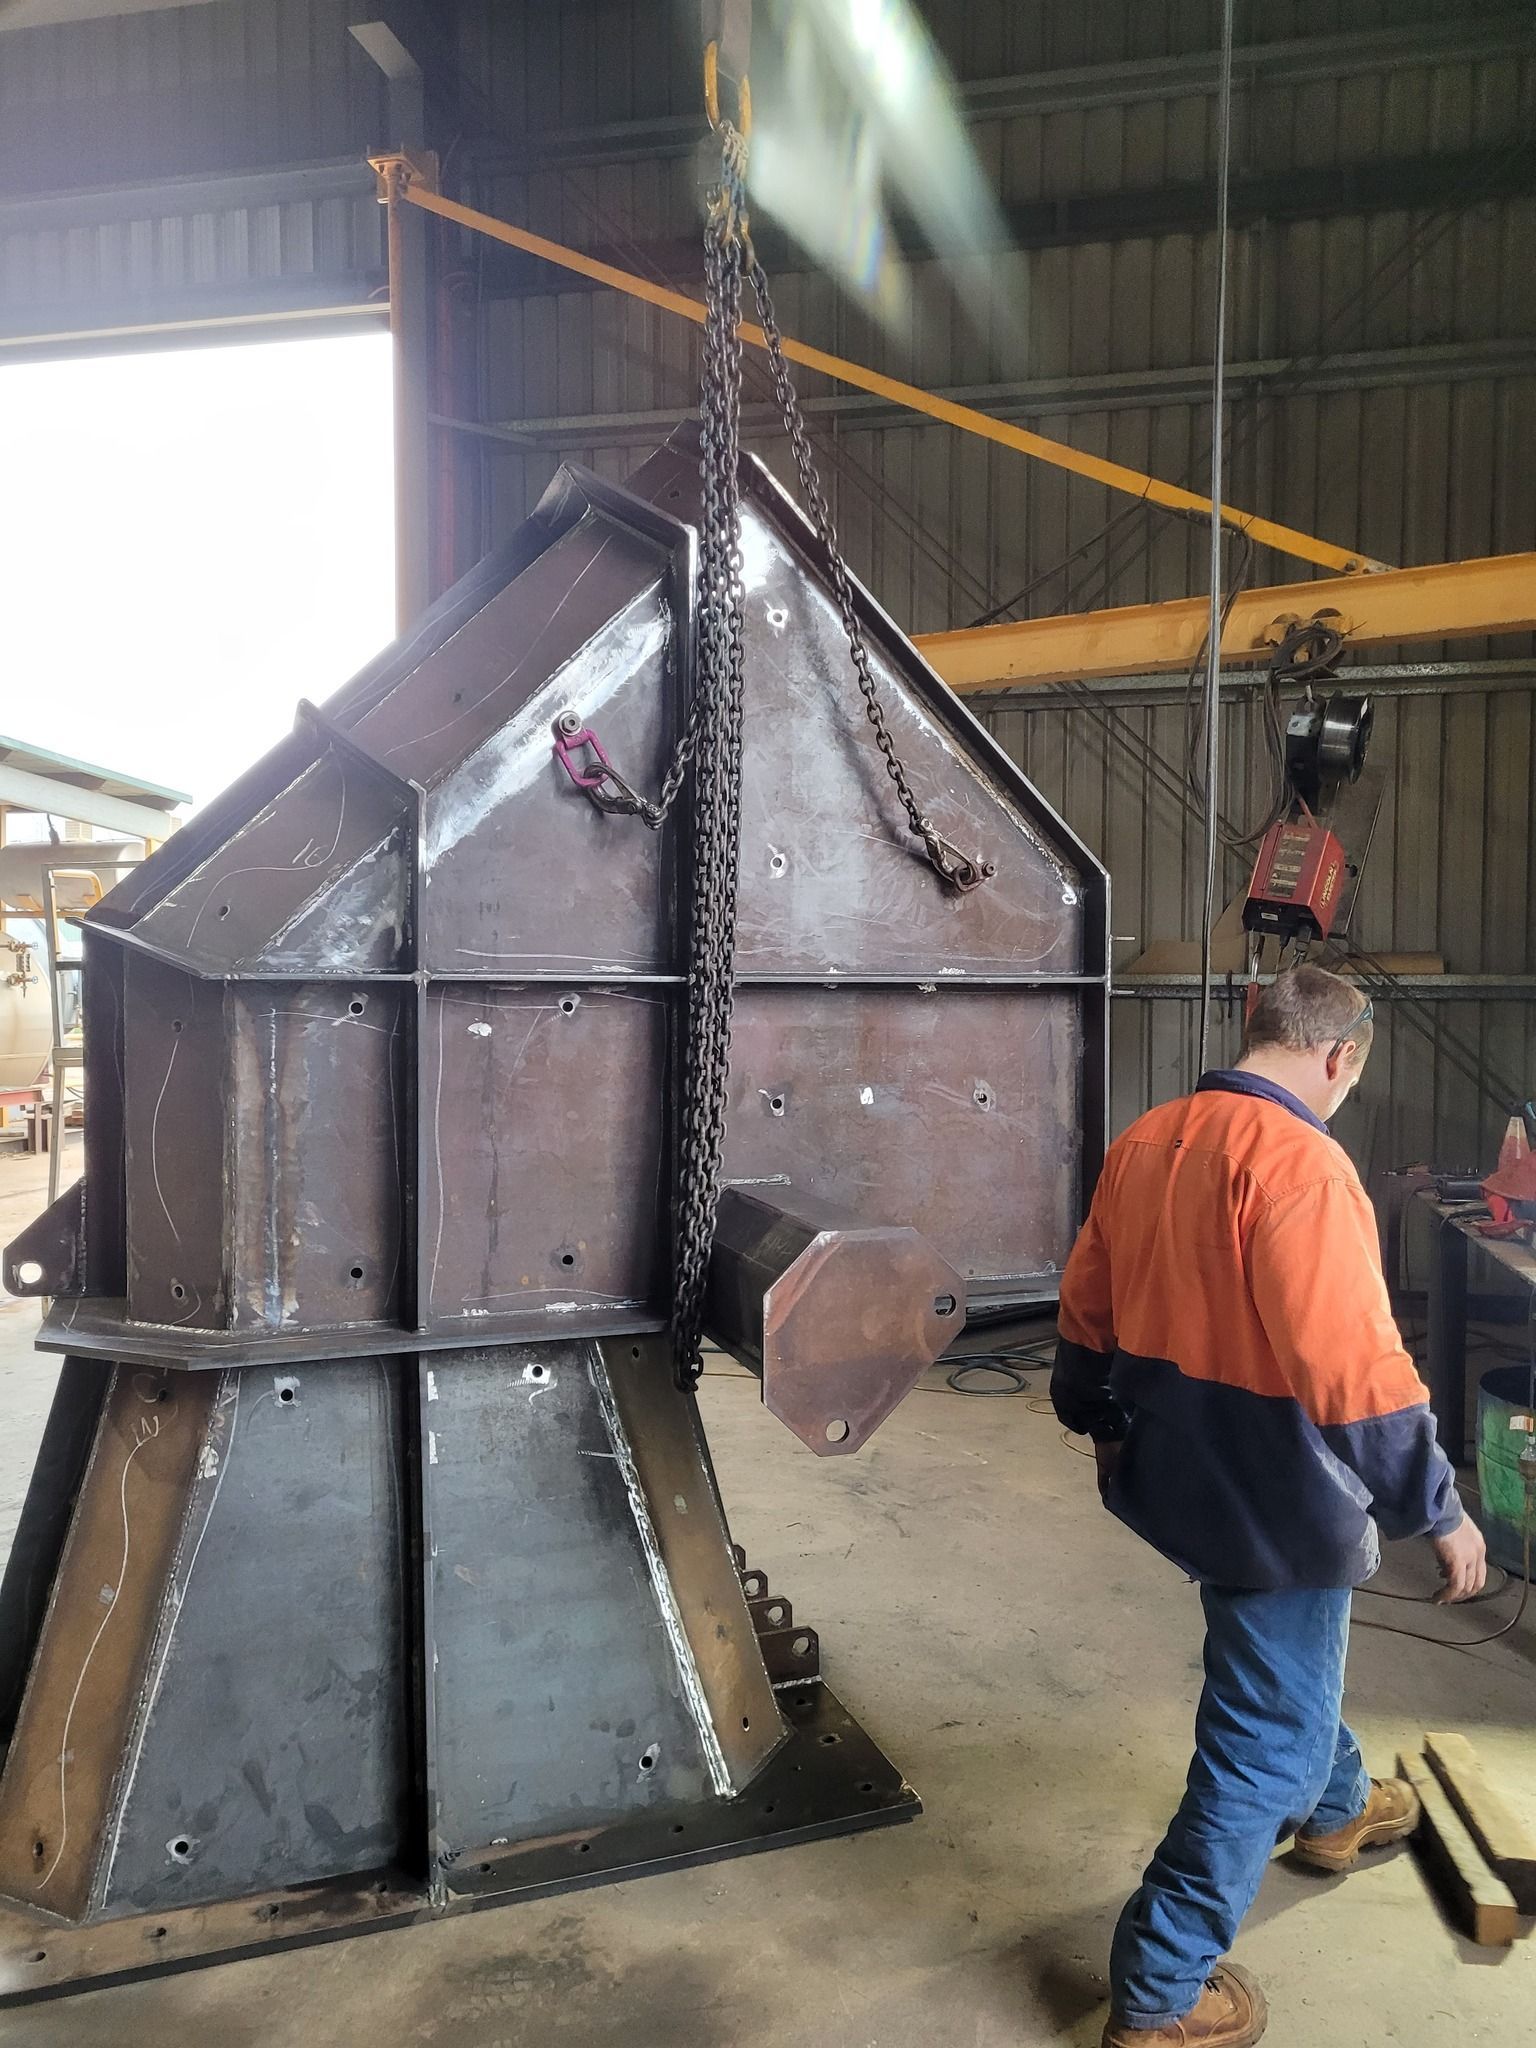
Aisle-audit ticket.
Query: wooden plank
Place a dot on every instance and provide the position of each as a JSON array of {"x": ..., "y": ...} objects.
[
  {"x": 1476, "y": 1900},
  {"x": 1508, "y": 1845}
]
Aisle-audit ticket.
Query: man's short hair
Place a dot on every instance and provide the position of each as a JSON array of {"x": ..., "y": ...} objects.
[{"x": 1306, "y": 1008}]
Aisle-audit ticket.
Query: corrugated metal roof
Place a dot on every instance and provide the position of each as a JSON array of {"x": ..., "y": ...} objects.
[{"x": 35, "y": 760}]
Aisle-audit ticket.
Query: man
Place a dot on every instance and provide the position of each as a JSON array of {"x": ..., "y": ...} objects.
[{"x": 1227, "y": 1343}]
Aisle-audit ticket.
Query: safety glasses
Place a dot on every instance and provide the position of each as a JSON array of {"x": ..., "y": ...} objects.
[{"x": 1364, "y": 1017}]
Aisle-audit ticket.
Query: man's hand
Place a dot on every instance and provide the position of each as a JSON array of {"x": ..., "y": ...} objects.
[
  {"x": 1106, "y": 1457},
  {"x": 1463, "y": 1559}
]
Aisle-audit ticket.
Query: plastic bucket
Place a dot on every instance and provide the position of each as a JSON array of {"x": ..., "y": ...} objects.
[{"x": 1503, "y": 1393}]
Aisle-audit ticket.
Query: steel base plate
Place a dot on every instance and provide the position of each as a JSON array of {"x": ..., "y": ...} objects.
[{"x": 829, "y": 1778}]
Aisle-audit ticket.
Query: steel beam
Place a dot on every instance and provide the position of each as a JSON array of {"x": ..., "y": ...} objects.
[
  {"x": 411, "y": 184},
  {"x": 1439, "y": 601},
  {"x": 22, "y": 791},
  {"x": 1074, "y": 89},
  {"x": 54, "y": 13},
  {"x": 1407, "y": 988},
  {"x": 1429, "y": 180},
  {"x": 1382, "y": 679},
  {"x": 1039, "y": 397}
]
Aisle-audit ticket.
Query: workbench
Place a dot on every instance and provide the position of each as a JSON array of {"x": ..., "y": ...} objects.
[{"x": 1456, "y": 1238}]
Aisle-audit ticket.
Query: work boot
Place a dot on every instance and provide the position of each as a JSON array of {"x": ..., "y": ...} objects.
[
  {"x": 1391, "y": 1812},
  {"x": 1231, "y": 2014}
]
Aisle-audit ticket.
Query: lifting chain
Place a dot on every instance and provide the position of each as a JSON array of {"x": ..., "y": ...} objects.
[
  {"x": 949, "y": 863},
  {"x": 713, "y": 741}
]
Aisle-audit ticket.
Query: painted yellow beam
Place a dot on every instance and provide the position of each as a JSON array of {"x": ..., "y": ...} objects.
[
  {"x": 408, "y": 183},
  {"x": 1443, "y": 601}
]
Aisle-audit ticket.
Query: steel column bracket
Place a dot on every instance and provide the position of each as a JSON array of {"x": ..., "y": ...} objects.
[
  {"x": 48, "y": 1257},
  {"x": 838, "y": 1318},
  {"x": 401, "y": 171}
]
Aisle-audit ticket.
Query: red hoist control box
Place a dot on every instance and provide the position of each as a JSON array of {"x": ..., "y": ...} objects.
[{"x": 1298, "y": 882}]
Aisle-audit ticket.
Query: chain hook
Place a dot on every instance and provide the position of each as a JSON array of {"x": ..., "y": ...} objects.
[
  {"x": 742, "y": 125},
  {"x": 951, "y": 865}
]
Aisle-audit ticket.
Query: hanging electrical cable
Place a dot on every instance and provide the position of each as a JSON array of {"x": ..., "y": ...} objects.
[{"x": 1217, "y": 614}]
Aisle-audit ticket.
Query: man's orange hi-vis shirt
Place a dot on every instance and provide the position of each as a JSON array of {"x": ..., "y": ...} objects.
[{"x": 1224, "y": 1312}]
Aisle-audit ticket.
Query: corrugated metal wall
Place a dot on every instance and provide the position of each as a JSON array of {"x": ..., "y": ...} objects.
[
  {"x": 1385, "y": 396},
  {"x": 1383, "y": 348},
  {"x": 1451, "y": 871},
  {"x": 187, "y": 164}
]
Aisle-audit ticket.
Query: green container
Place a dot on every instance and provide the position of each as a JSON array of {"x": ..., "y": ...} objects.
[{"x": 1503, "y": 1393}]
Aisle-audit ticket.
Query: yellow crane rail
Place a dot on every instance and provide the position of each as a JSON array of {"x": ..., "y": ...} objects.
[
  {"x": 404, "y": 178},
  {"x": 1440, "y": 601}
]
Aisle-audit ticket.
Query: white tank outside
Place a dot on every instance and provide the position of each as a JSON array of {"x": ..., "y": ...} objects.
[{"x": 26, "y": 1017}]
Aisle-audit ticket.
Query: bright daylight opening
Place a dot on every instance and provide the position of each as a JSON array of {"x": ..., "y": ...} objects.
[{"x": 192, "y": 540}]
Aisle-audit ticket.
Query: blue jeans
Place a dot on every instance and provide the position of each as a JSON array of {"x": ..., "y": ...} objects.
[{"x": 1271, "y": 1755}]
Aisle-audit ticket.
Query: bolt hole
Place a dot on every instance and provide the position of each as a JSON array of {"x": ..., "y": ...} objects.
[
  {"x": 746, "y": 1720},
  {"x": 803, "y": 1699},
  {"x": 159, "y": 1934},
  {"x": 634, "y": 1350},
  {"x": 223, "y": 910},
  {"x": 777, "y": 864},
  {"x": 537, "y": 1372},
  {"x": 769, "y": 1807},
  {"x": 28, "y": 1273},
  {"x": 776, "y": 1104},
  {"x": 944, "y": 1304},
  {"x": 775, "y": 1614},
  {"x": 650, "y": 1757},
  {"x": 355, "y": 1007},
  {"x": 484, "y": 1869},
  {"x": 285, "y": 1393},
  {"x": 38, "y": 1852},
  {"x": 568, "y": 1004},
  {"x": 677, "y": 1827},
  {"x": 802, "y": 1648},
  {"x": 567, "y": 1258},
  {"x": 162, "y": 1393},
  {"x": 178, "y": 1292},
  {"x": 181, "y": 1846},
  {"x": 837, "y": 1431},
  {"x": 585, "y": 1849},
  {"x": 39, "y": 1955},
  {"x": 356, "y": 1272},
  {"x": 867, "y": 1786},
  {"x": 828, "y": 1740}
]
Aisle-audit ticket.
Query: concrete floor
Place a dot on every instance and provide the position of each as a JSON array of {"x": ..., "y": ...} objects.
[{"x": 1032, "y": 1668}]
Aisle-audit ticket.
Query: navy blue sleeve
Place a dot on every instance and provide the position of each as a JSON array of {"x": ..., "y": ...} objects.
[
  {"x": 1401, "y": 1465},
  {"x": 1085, "y": 1352},
  {"x": 1080, "y": 1393}
]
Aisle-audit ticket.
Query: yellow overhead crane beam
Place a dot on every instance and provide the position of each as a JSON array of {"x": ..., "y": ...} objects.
[
  {"x": 1441, "y": 601},
  {"x": 403, "y": 177}
]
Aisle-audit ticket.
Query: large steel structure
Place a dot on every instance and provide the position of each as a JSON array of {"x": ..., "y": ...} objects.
[{"x": 373, "y": 1565}]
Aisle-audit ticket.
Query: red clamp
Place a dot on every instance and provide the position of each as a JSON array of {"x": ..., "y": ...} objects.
[
  {"x": 602, "y": 785},
  {"x": 569, "y": 743}
]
